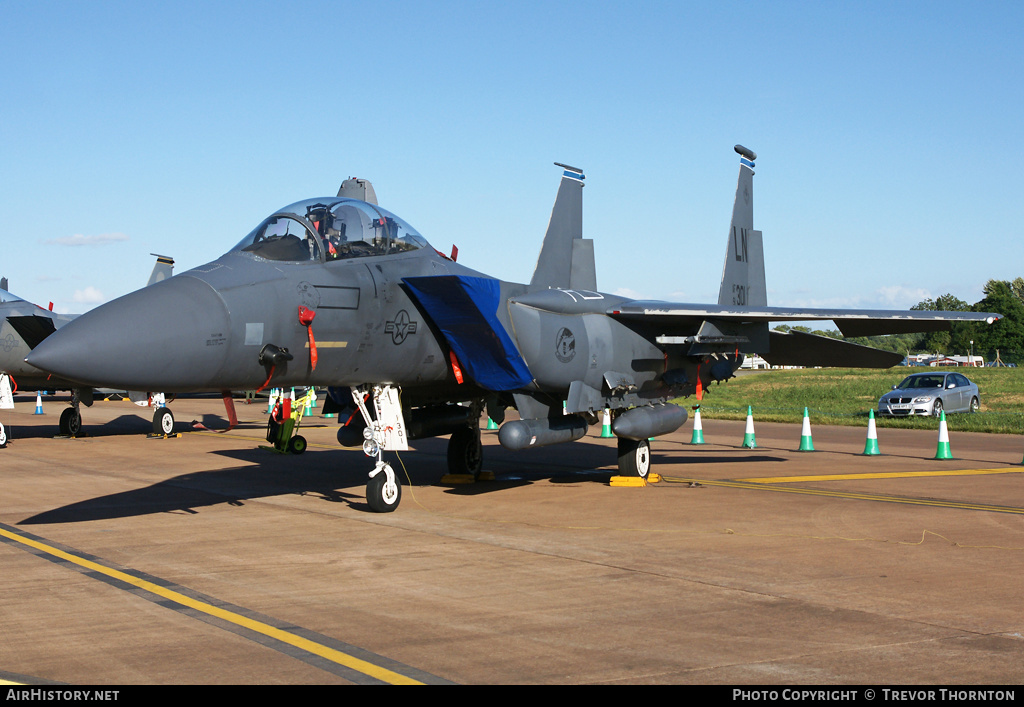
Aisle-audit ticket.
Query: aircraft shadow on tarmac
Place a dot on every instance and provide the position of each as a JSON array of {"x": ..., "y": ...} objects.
[
  {"x": 339, "y": 476},
  {"x": 127, "y": 424},
  {"x": 121, "y": 425},
  {"x": 273, "y": 475}
]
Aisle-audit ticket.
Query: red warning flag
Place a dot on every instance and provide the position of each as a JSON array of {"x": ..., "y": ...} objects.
[
  {"x": 306, "y": 316},
  {"x": 455, "y": 366}
]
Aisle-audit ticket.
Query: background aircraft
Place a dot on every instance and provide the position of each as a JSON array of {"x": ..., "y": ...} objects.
[
  {"x": 24, "y": 325},
  {"x": 339, "y": 292}
]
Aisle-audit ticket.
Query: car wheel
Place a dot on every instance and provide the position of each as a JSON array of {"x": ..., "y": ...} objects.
[
  {"x": 937, "y": 408},
  {"x": 975, "y": 405}
]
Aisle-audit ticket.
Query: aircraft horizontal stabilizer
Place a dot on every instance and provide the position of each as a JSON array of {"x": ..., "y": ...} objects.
[
  {"x": 798, "y": 348},
  {"x": 464, "y": 310}
]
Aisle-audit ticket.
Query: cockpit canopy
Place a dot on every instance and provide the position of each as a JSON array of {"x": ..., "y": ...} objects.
[
  {"x": 330, "y": 228},
  {"x": 6, "y": 296}
]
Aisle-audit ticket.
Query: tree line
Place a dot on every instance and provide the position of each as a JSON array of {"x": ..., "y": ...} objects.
[{"x": 1006, "y": 336}]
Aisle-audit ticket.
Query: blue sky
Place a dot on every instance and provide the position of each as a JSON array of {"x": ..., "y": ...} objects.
[{"x": 886, "y": 135}]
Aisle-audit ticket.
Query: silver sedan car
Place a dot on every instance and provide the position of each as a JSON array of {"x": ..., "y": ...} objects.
[{"x": 930, "y": 394}]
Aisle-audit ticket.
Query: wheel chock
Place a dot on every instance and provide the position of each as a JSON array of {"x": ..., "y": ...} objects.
[{"x": 626, "y": 481}]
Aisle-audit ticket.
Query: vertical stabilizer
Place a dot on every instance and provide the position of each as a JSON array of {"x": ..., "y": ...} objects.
[
  {"x": 163, "y": 269},
  {"x": 743, "y": 276},
  {"x": 565, "y": 259}
]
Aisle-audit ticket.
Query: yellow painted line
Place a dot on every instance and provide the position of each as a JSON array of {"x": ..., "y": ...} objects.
[
  {"x": 880, "y": 475},
  {"x": 291, "y": 639},
  {"x": 330, "y": 344},
  {"x": 907, "y": 500}
]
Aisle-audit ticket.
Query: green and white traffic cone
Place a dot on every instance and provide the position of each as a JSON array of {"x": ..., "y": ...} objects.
[
  {"x": 748, "y": 435},
  {"x": 491, "y": 424},
  {"x": 698, "y": 430},
  {"x": 942, "y": 452},
  {"x": 871, "y": 446},
  {"x": 806, "y": 444},
  {"x": 606, "y": 424},
  {"x": 270, "y": 400}
]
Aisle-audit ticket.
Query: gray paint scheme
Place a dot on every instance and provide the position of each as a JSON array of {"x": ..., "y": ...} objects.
[{"x": 204, "y": 330}]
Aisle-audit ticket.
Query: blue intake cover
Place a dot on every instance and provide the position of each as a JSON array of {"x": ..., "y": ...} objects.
[{"x": 465, "y": 310}]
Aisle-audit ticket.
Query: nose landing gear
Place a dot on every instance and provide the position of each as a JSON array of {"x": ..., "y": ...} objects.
[{"x": 385, "y": 431}]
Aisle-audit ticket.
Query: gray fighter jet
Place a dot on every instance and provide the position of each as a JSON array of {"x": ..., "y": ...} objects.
[
  {"x": 338, "y": 292},
  {"x": 23, "y": 326}
]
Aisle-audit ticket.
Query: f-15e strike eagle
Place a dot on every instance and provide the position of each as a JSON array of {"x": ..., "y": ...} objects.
[{"x": 338, "y": 292}]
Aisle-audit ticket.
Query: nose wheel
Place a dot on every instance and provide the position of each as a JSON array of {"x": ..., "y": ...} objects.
[
  {"x": 383, "y": 491},
  {"x": 163, "y": 421},
  {"x": 70, "y": 422}
]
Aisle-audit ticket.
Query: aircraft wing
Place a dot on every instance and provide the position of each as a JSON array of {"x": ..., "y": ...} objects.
[
  {"x": 704, "y": 329},
  {"x": 851, "y": 322}
]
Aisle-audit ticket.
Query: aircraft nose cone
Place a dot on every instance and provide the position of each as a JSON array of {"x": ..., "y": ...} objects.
[{"x": 168, "y": 337}]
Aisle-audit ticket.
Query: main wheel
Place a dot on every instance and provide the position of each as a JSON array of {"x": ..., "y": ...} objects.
[
  {"x": 297, "y": 445},
  {"x": 937, "y": 407},
  {"x": 383, "y": 492},
  {"x": 70, "y": 422},
  {"x": 634, "y": 457},
  {"x": 465, "y": 453},
  {"x": 163, "y": 421},
  {"x": 975, "y": 405}
]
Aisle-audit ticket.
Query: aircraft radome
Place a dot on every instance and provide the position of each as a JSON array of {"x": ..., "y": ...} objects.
[{"x": 338, "y": 292}]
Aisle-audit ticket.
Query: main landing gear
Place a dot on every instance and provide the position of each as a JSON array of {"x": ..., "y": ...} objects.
[
  {"x": 634, "y": 457},
  {"x": 465, "y": 452}
]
